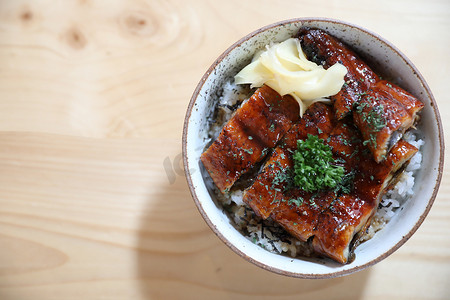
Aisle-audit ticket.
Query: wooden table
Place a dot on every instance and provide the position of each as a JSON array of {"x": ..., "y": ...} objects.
[{"x": 93, "y": 200}]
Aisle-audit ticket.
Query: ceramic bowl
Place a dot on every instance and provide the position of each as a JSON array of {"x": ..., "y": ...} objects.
[{"x": 385, "y": 57}]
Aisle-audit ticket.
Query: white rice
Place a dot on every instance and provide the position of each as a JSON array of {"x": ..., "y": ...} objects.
[
  {"x": 401, "y": 192},
  {"x": 270, "y": 235},
  {"x": 232, "y": 95}
]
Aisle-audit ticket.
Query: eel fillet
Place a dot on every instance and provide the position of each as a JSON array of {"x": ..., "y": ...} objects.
[
  {"x": 326, "y": 50},
  {"x": 252, "y": 131},
  {"x": 329, "y": 220},
  {"x": 374, "y": 102}
]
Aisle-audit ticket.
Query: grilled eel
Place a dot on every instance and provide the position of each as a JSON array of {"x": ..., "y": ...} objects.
[
  {"x": 323, "y": 49},
  {"x": 246, "y": 139},
  {"x": 330, "y": 220},
  {"x": 382, "y": 110}
]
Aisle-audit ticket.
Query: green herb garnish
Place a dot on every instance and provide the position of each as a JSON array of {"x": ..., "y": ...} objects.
[
  {"x": 249, "y": 151},
  {"x": 314, "y": 167},
  {"x": 374, "y": 119},
  {"x": 345, "y": 186},
  {"x": 282, "y": 177},
  {"x": 297, "y": 202}
]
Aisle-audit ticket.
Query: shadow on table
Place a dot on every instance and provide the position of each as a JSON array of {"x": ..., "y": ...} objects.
[{"x": 179, "y": 257}]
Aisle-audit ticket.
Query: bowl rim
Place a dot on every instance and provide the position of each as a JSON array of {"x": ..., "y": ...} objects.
[{"x": 280, "y": 271}]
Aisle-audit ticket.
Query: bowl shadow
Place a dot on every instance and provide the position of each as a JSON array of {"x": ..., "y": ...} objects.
[{"x": 179, "y": 257}]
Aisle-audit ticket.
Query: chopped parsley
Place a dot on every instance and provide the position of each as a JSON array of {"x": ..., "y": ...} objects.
[
  {"x": 272, "y": 127},
  {"x": 249, "y": 151},
  {"x": 361, "y": 94},
  {"x": 282, "y": 178},
  {"x": 375, "y": 120},
  {"x": 314, "y": 167},
  {"x": 297, "y": 202},
  {"x": 312, "y": 203},
  {"x": 345, "y": 186}
]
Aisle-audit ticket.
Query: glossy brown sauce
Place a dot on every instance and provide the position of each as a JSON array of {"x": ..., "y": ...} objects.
[
  {"x": 254, "y": 129},
  {"x": 364, "y": 94},
  {"x": 358, "y": 127}
]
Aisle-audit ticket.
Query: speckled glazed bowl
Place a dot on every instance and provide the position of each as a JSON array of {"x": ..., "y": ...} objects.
[{"x": 383, "y": 56}]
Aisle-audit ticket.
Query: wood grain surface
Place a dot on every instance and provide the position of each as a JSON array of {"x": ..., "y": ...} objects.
[{"x": 93, "y": 200}]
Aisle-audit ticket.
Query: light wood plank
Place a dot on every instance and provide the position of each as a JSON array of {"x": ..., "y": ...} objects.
[{"x": 93, "y": 200}]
